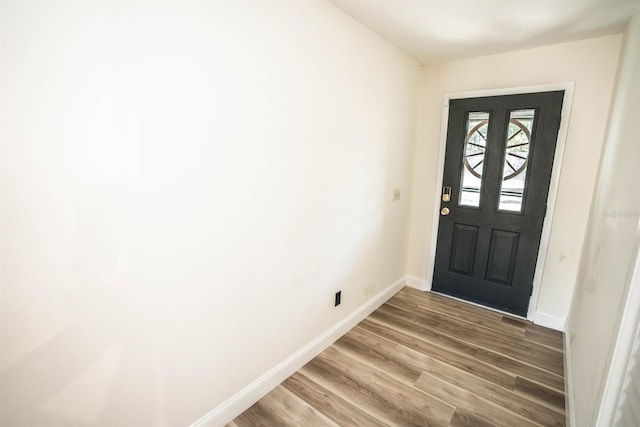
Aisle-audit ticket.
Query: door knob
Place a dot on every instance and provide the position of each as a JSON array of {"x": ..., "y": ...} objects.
[{"x": 445, "y": 211}]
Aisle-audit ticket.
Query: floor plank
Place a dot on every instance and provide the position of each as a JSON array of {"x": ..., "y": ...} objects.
[
  {"x": 440, "y": 351},
  {"x": 520, "y": 349},
  {"x": 513, "y": 321},
  {"x": 462, "y": 398},
  {"x": 293, "y": 411},
  {"x": 416, "y": 406},
  {"x": 406, "y": 300},
  {"x": 393, "y": 402},
  {"x": 539, "y": 393},
  {"x": 372, "y": 402},
  {"x": 423, "y": 359},
  {"x": 537, "y": 334},
  {"x": 464, "y": 418},
  {"x": 355, "y": 344},
  {"x": 452, "y": 303},
  {"x": 500, "y": 396},
  {"x": 517, "y": 367},
  {"x": 257, "y": 415},
  {"x": 333, "y": 406}
]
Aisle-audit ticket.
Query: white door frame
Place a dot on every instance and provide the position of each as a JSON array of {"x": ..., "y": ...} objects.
[{"x": 568, "y": 88}]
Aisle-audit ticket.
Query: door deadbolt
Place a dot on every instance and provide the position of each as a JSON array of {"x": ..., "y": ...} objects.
[
  {"x": 446, "y": 194},
  {"x": 445, "y": 211}
]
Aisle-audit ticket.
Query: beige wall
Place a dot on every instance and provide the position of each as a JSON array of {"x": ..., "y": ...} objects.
[
  {"x": 591, "y": 64},
  {"x": 184, "y": 187},
  {"x": 612, "y": 241}
]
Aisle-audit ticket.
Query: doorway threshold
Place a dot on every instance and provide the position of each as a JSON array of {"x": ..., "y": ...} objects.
[{"x": 504, "y": 313}]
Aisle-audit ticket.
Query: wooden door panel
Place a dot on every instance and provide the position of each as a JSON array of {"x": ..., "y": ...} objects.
[
  {"x": 463, "y": 249},
  {"x": 503, "y": 250}
]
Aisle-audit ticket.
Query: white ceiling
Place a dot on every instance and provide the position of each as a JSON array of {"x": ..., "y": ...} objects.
[{"x": 436, "y": 30}]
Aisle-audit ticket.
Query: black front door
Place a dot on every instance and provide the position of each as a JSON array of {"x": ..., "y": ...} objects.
[{"x": 497, "y": 170}]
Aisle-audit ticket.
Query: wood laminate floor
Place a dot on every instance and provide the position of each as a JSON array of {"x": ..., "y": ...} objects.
[{"x": 422, "y": 359}]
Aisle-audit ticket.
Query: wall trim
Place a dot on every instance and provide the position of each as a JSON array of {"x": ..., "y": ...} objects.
[
  {"x": 246, "y": 397},
  {"x": 623, "y": 349},
  {"x": 568, "y": 384},
  {"x": 548, "y": 320},
  {"x": 568, "y": 88},
  {"x": 416, "y": 282}
]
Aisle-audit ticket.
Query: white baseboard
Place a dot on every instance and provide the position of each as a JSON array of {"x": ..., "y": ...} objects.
[
  {"x": 246, "y": 397},
  {"x": 568, "y": 384},
  {"x": 416, "y": 282},
  {"x": 548, "y": 320}
]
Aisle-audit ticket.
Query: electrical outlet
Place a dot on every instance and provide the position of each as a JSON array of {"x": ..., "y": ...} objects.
[
  {"x": 337, "y": 300},
  {"x": 396, "y": 194}
]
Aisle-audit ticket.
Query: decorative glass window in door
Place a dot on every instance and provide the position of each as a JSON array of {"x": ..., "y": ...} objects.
[
  {"x": 473, "y": 157},
  {"x": 516, "y": 159}
]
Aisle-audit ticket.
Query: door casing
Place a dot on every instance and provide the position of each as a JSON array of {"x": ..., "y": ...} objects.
[{"x": 533, "y": 314}]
